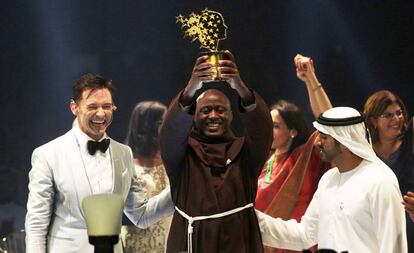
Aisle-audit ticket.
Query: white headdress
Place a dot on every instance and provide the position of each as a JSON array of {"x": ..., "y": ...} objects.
[{"x": 346, "y": 125}]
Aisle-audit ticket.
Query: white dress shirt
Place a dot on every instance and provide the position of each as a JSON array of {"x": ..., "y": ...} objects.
[{"x": 98, "y": 166}]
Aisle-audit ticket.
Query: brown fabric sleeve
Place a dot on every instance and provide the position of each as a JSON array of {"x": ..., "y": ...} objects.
[
  {"x": 173, "y": 137},
  {"x": 258, "y": 133}
]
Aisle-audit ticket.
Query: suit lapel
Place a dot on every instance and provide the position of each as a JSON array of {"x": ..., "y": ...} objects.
[
  {"x": 78, "y": 170},
  {"x": 117, "y": 165}
]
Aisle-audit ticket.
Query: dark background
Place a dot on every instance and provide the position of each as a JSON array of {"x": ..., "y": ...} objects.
[{"x": 358, "y": 47}]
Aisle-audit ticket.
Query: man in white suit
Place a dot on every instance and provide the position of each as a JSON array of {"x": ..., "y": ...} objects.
[{"x": 82, "y": 162}]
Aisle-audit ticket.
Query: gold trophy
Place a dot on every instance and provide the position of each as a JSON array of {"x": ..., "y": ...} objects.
[{"x": 208, "y": 28}]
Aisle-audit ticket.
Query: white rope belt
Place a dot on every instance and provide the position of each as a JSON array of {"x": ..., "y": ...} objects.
[{"x": 197, "y": 218}]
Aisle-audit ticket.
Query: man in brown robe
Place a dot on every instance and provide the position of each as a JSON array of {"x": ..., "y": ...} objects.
[{"x": 212, "y": 172}]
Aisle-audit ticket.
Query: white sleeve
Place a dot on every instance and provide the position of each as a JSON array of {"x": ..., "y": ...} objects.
[
  {"x": 144, "y": 212},
  {"x": 291, "y": 234},
  {"x": 389, "y": 217},
  {"x": 39, "y": 204}
]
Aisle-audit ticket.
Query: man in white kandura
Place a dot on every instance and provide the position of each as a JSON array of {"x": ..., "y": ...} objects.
[{"x": 357, "y": 207}]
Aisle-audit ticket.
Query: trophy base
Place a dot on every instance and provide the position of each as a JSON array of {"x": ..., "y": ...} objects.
[{"x": 214, "y": 57}]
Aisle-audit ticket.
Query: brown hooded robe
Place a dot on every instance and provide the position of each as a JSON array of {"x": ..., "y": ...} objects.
[{"x": 209, "y": 178}]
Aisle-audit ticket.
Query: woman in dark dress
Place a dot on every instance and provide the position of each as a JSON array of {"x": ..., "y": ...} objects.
[{"x": 392, "y": 140}]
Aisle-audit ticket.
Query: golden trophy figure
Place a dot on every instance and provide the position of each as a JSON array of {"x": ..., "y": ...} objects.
[{"x": 208, "y": 28}]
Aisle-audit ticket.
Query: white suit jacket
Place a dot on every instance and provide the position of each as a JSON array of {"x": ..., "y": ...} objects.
[{"x": 58, "y": 183}]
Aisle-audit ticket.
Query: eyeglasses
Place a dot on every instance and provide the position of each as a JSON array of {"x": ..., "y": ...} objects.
[{"x": 390, "y": 115}]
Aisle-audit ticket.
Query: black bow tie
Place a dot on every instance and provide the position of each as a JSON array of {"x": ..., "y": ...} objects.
[{"x": 93, "y": 146}]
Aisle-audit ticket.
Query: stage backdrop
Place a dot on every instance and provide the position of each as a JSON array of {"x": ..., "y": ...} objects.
[{"x": 358, "y": 47}]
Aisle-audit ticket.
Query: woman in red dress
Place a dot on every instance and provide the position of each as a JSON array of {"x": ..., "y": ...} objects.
[{"x": 291, "y": 175}]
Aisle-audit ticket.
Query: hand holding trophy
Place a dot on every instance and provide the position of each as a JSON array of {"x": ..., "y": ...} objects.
[
  {"x": 208, "y": 28},
  {"x": 213, "y": 65}
]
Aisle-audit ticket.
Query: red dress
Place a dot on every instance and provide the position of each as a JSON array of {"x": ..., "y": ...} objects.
[{"x": 289, "y": 186}]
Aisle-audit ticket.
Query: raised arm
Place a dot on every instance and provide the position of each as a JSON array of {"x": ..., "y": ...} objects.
[
  {"x": 258, "y": 133},
  {"x": 178, "y": 121},
  {"x": 231, "y": 73},
  {"x": 201, "y": 73},
  {"x": 318, "y": 98},
  {"x": 256, "y": 116}
]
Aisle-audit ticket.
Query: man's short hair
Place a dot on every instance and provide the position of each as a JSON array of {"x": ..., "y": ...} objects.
[{"x": 92, "y": 82}]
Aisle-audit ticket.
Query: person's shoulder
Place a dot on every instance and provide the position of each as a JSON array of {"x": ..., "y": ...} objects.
[
  {"x": 380, "y": 179},
  {"x": 125, "y": 149},
  {"x": 53, "y": 144},
  {"x": 328, "y": 175},
  {"x": 331, "y": 172},
  {"x": 118, "y": 144},
  {"x": 380, "y": 173}
]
